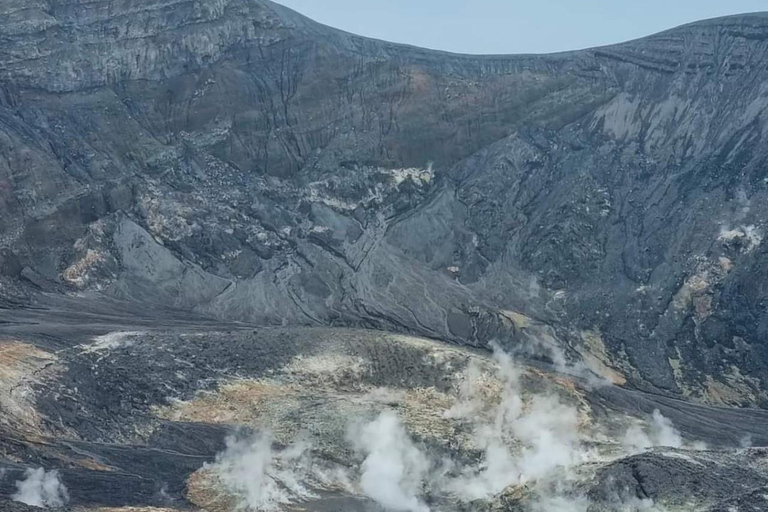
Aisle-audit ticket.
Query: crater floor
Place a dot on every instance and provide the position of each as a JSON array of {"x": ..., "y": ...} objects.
[{"x": 138, "y": 409}]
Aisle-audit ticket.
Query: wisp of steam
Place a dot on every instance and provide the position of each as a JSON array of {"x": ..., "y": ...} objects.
[
  {"x": 41, "y": 488},
  {"x": 533, "y": 441},
  {"x": 661, "y": 433},
  {"x": 263, "y": 478},
  {"x": 544, "y": 430},
  {"x": 394, "y": 469}
]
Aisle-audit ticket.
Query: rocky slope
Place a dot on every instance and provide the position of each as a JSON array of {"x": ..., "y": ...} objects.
[
  {"x": 235, "y": 159},
  {"x": 134, "y": 409},
  {"x": 219, "y": 219}
]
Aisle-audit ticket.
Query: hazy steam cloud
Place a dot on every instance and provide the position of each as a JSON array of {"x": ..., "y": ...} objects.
[
  {"x": 624, "y": 503},
  {"x": 394, "y": 469},
  {"x": 544, "y": 429},
  {"x": 664, "y": 433},
  {"x": 661, "y": 433},
  {"x": 41, "y": 489},
  {"x": 531, "y": 441},
  {"x": 560, "y": 504},
  {"x": 263, "y": 478}
]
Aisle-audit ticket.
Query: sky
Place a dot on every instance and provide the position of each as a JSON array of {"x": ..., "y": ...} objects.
[{"x": 514, "y": 26}]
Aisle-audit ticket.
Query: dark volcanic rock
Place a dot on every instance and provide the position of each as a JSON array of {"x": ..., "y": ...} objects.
[
  {"x": 683, "y": 479},
  {"x": 104, "y": 406},
  {"x": 236, "y": 159}
]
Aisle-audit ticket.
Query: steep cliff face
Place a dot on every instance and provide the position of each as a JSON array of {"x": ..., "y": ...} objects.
[{"x": 236, "y": 159}]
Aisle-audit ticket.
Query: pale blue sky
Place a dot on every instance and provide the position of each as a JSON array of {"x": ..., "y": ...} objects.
[{"x": 514, "y": 26}]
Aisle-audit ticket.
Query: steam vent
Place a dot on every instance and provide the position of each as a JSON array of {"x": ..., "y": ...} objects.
[{"x": 251, "y": 263}]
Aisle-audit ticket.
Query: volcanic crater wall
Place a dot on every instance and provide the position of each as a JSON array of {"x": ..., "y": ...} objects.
[{"x": 236, "y": 159}]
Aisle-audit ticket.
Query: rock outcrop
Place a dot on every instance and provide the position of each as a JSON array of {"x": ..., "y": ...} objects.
[{"x": 235, "y": 159}]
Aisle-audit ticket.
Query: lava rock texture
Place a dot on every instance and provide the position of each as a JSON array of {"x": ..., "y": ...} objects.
[{"x": 234, "y": 159}]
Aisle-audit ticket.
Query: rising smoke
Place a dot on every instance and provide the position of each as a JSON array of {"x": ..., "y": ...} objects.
[
  {"x": 263, "y": 478},
  {"x": 41, "y": 488},
  {"x": 531, "y": 441},
  {"x": 560, "y": 504},
  {"x": 394, "y": 469},
  {"x": 661, "y": 433},
  {"x": 544, "y": 430}
]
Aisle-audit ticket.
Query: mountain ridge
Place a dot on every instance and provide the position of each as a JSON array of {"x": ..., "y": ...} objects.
[
  {"x": 256, "y": 166},
  {"x": 34, "y": 17},
  {"x": 220, "y": 219}
]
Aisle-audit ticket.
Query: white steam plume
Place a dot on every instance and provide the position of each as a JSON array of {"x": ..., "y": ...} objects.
[
  {"x": 662, "y": 433},
  {"x": 560, "y": 504},
  {"x": 635, "y": 504},
  {"x": 263, "y": 478},
  {"x": 530, "y": 440},
  {"x": 545, "y": 430},
  {"x": 394, "y": 469},
  {"x": 41, "y": 488}
]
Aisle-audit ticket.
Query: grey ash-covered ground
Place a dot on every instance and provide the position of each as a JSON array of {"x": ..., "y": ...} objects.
[
  {"x": 222, "y": 217},
  {"x": 130, "y": 404},
  {"x": 235, "y": 159}
]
